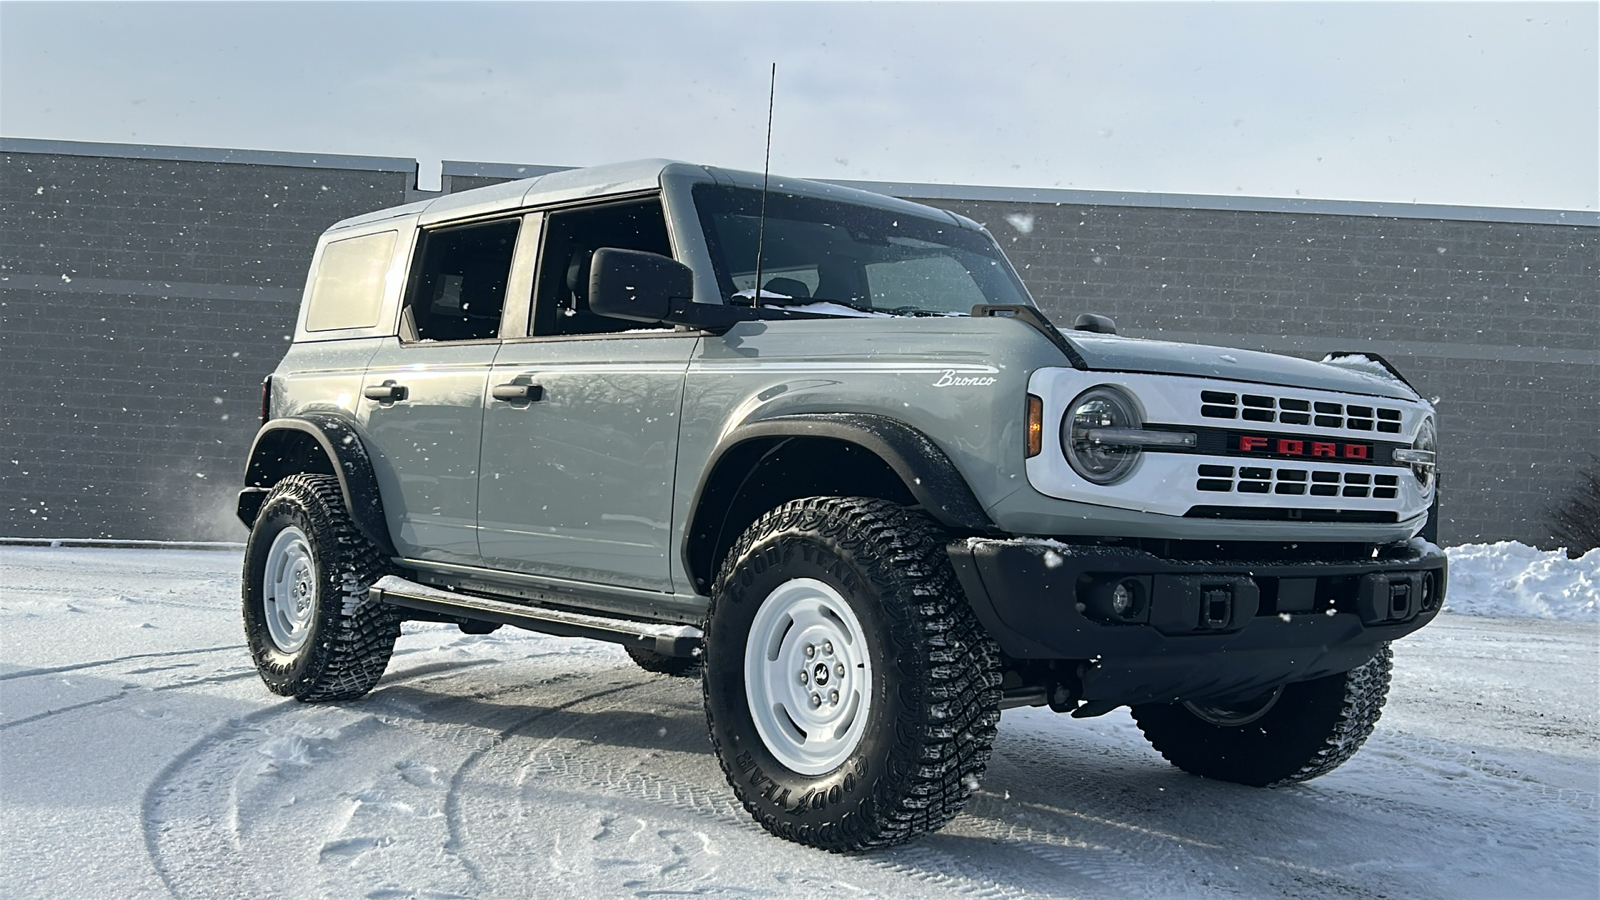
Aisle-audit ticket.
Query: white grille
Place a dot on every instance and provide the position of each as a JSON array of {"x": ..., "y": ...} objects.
[
  {"x": 1296, "y": 482},
  {"x": 1295, "y": 411}
]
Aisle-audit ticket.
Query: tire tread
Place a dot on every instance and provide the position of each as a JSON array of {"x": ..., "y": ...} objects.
[
  {"x": 355, "y": 649},
  {"x": 956, "y": 676},
  {"x": 1314, "y": 729}
]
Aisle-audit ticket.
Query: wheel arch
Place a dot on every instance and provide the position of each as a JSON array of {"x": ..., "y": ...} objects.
[
  {"x": 763, "y": 464},
  {"x": 322, "y": 444}
]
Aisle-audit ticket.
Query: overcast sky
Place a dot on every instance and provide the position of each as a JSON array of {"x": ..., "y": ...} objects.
[{"x": 1482, "y": 104}]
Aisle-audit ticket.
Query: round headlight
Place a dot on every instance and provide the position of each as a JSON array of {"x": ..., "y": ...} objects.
[
  {"x": 1095, "y": 460},
  {"x": 1427, "y": 439}
]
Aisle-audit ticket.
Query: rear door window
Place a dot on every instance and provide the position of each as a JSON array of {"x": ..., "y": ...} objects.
[{"x": 458, "y": 288}]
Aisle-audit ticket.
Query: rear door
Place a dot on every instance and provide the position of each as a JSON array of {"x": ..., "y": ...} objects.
[{"x": 423, "y": 394}]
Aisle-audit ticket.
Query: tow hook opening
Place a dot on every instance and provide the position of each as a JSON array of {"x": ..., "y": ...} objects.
[
  {"x": 1396, "y": 597},
  {"x": 1216, "y": 608}
]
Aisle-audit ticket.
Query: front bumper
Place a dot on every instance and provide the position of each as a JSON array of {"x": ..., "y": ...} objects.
[{"x": 1192, "y": 630}]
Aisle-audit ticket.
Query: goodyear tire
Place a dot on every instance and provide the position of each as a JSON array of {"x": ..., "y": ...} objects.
[
  {"x": 311, "y": 627},
  {"x": 1296, "y": 733},
  {"x": 851, "y": 694}
]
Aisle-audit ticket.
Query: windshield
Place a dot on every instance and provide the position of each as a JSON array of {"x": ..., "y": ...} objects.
[{"x": 827, "y": 256}]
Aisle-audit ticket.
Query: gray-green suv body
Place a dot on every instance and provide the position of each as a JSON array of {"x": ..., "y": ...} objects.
[{"x": 872, "y": 503}]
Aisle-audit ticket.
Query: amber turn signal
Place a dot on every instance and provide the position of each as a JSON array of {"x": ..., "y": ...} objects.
[{"x": 1035, "y": 426}]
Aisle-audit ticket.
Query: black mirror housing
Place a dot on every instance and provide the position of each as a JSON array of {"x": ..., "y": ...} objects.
[
  {"x": 1095, "y": 324},
  {"x": 637, "y": 286},
  {"x": 648, "y": 287}
]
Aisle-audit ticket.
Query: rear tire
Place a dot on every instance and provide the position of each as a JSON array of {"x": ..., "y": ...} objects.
[
  {"x": 662, "y": 664},
  {"x": 313, "y": 630},
  {"x": 851, "y": 694},
  {"x": 1294, "y": 734}
]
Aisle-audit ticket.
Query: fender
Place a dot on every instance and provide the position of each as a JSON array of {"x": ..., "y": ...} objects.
[
  {"x": 347, "y": 460},
  {"x": 923, "y": 469}
]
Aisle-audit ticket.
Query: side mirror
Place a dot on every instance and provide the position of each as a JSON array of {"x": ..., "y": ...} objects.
[
  {"x": 1095, "y": 324},
  {"x": 647, "y": 287},
  {"x": 638, "y": 286}
]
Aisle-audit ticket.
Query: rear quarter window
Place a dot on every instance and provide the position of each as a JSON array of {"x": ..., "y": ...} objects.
[{"x": 347, "y": 289}]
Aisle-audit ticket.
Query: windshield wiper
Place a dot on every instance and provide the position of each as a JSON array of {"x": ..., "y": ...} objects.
[{"x": 913, "y": 311}]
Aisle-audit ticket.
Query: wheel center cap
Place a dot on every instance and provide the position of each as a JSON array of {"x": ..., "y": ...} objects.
[{"x": 820, "y": 674}]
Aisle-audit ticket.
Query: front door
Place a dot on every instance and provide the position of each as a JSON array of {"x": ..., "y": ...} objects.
[
  {"x": 580, "y": 429},
  {"x": 578, "y": 464}
]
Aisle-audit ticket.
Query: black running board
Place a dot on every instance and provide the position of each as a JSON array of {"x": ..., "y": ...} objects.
[{"x": 668, "y": 640}]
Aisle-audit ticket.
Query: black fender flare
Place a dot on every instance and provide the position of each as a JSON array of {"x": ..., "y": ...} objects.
[
  {"x": 926, "y": 472},
  {"x": 347, "y": 458}
]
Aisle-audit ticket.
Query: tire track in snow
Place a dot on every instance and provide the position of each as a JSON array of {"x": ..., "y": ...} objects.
[
  {"x": 1098, "y": 835},
  {"x": 452, "y": 803},
  {"x": 140, "y": 691},
  {"x": 574, "y": 782},
  {"x": 1465, "y": 769},
  {"x": 195, "y": 847},
  {"x": 581, "y": 771},
  {"x": 128, "y": 692},
  {"x": 54, "y": 670}
]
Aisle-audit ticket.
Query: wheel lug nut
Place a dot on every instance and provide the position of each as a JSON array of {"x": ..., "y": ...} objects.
[
  {"x": 804, "y": 678},
  {"x": 838, "y": 669},
  {"x": 816, "y": 701},
  {"x": 827, "y": 647},
  {"x": 811, "y": 650},
  {"x": 833, "y": 698}
]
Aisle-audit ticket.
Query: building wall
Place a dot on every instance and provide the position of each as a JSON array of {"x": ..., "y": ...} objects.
[
  {"x": 141, "y": 303},
  {"x": 144, "y": 292}
]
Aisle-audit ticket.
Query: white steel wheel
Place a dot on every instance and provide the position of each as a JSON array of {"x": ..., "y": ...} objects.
[
  {"x": 289, "y": 590},
  {"x": 808, "y": 676}
]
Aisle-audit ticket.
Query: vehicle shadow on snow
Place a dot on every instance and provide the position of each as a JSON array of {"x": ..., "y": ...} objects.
[{"x": 644, "y": 712}]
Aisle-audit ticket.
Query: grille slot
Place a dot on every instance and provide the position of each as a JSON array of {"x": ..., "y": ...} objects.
[
  {"x": 1295, "y": 482},
  {"x": 1295, "y": 411}
]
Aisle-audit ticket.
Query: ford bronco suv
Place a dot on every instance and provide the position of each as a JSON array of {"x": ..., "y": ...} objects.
[{"x": 820, "y": 448}]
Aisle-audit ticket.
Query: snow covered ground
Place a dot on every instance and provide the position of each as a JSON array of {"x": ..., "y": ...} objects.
[{"x": 140, "y": 757}]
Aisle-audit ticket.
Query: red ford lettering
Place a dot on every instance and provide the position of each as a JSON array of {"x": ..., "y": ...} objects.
[{"x": 1293, "y": 447}]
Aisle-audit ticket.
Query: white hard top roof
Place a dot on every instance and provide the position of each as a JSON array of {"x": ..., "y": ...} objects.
[{"x": 617, "y": 179}]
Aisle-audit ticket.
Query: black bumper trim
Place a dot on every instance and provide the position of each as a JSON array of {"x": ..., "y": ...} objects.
[{"x": 1194, "y": 629}]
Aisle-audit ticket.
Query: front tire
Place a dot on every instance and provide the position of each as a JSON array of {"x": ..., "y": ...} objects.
[
  {"x": 851, "y": 694},
  {"x": 314, "y": 632},
  {"x": 1293, "y": 734}
]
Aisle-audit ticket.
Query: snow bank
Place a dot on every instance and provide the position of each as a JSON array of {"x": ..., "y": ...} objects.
[{"x": 1512, "y": 579}]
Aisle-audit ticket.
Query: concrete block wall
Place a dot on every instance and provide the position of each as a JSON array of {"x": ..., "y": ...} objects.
[
  {"x": 145, "y": 291},
  {"x": 142, "y": 300}
]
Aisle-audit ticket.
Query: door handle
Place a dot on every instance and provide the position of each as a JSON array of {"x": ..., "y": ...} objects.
[
  {"x": 388, "y": 392},
  {"x": 518, "y": 393}
]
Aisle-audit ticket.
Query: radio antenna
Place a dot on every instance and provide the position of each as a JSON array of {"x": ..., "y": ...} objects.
[{"x": 766, "y": 169}]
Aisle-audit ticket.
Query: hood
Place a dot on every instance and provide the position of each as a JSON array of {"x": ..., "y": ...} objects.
[{"x": 1114, "y": 353}]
